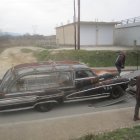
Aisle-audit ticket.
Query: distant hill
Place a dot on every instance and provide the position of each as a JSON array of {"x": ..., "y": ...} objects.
[{"x": 9, "y": 33}]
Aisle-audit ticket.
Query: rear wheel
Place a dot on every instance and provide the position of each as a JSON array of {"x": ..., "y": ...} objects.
[
  {"x": 44, "y": 107},
  {"x": 116, "y": 92}
]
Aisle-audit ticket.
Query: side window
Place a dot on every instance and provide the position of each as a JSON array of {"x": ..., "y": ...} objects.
[
  {"x": 65, "y": 79},
  {"x": 43, "y": 81},
  {"x": 35, "y": 82},
  {"x": 18, "y": 86},
  {"x": 84, "y": 74}
]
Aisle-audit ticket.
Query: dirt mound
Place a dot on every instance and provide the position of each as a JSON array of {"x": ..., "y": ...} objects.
[{"x": 14, "y": 56}]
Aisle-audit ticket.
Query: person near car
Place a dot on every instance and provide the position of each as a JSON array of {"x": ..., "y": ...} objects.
[
  {"x": 120, "y": 62},
  {"x": 136, "y": 113}
]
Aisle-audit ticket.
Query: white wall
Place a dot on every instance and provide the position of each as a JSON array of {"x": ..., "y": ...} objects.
[
  {"x": 97, "y": 34},
  {"x": 106, "y": 35},
  {"x": 126, "y": 34},
  {"x": 87, "y": 35}
]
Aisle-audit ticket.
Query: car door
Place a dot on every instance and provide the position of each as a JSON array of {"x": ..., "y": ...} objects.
[{"x": 84, "y": 83}]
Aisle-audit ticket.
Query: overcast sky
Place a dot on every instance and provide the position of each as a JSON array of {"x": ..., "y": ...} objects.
[{"x": 42, "y": 16}]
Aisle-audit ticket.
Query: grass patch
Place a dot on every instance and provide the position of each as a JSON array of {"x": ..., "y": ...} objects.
[
  {"x": 42, "y": 55},
  {"x": 100, "y": 58},
  {"x": 24, "y": 50},
  {"x": 120, "y": 134}
]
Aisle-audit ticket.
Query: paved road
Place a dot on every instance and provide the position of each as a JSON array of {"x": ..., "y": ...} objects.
[{"x": 66, "y": 109}]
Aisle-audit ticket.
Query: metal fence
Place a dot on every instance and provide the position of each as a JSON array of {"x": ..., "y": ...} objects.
[{"x": 129, "y": 21}]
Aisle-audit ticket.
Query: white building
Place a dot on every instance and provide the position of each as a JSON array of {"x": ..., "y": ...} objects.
[
  {"x": 128, "y": 32},
  {"x": 91, "y": 34}
]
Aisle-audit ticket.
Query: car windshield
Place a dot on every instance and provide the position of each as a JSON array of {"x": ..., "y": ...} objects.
[{"x": 84, "y": 73}]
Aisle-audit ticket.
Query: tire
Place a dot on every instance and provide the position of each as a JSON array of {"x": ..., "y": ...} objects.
[
  {"x": 116, "y": 92},
  {"x": 44, "y": 107}
]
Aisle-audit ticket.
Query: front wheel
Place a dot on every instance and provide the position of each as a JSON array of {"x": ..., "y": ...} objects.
[
  {"x": 116, "y": 92},
  {"x": 44, "y": 107}
]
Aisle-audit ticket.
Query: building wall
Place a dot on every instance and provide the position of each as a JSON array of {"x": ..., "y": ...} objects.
[
  {"x": 65, "y": 35},
  {"x": 90, "y": 34},
  {"x": 97, "y": 34},
  {"x": 127, "y": 35},
  {"x": 106, "y": 35}
]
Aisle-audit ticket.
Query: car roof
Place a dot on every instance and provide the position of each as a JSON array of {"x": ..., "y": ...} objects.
[
  {"x": 49, "y": 63},
  {"x": 48, "y": 66}
]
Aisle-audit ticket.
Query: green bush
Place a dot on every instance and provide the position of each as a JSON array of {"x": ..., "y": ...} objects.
[{"x": 26, "y": 50}]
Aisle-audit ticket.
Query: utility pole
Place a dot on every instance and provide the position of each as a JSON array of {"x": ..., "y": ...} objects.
[
  {"x": 78, "y": 25},
  {"x": 74, "y": 22},
  {"x": 63, "y": 33}
]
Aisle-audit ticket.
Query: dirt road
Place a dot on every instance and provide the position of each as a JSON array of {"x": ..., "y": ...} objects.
[{"x": 14, "y": 56}]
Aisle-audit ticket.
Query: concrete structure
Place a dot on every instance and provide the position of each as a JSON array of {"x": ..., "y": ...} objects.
[
  {"x": 91, "y": 34},
  {"x": 128, "y": 32}
]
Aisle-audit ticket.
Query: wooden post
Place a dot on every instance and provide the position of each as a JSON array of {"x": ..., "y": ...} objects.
[
  {"x": 74, "y": 22},
  {"x": 78, "y": 25}
]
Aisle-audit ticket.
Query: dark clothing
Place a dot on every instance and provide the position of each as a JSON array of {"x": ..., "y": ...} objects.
[
  {"x": 120, "y": 62},
  {"x": 118, "y": 69},
  {"x": 138, "y": 88},
  {"x": 136, "y": 114}
]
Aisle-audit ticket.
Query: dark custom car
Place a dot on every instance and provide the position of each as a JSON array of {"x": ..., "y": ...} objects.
[{"x": 41, "y": 85}]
